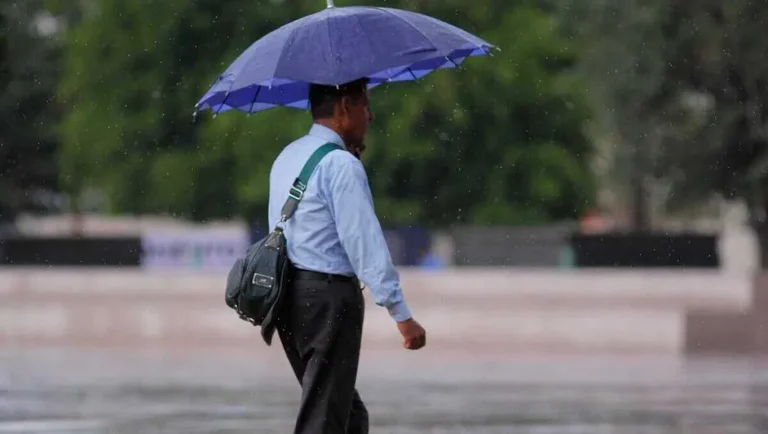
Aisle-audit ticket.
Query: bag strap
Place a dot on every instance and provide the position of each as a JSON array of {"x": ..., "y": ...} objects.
[{"x": 296, "y": 193}]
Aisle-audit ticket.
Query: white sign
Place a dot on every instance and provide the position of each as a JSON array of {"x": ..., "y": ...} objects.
[{"x": 194, "y": 249}]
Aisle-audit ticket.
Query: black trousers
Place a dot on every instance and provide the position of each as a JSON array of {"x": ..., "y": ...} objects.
[{"x": 320, "y": 326}]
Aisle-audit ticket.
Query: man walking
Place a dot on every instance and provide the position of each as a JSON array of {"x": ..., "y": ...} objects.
[{"x": 334, "y": 239}]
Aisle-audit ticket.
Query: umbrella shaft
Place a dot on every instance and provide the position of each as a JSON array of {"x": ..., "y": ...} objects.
[{"x": 330, "y": 3}]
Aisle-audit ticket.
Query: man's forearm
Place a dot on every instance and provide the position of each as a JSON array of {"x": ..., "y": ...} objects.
[
  {"x": 390, "y": 296},
  {"x": 399, "y": 311}
]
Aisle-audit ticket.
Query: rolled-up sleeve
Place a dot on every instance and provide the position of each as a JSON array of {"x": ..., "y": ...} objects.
[{"x": 362, "y": 237}]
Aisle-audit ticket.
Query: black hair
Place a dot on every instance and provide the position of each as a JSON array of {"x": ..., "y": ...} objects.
[{"x": 323, "y": 98}]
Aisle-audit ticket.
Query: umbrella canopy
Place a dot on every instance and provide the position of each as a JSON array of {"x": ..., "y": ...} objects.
[{"x": 336, "y": 46}]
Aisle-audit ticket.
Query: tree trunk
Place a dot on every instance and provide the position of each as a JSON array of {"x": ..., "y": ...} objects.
[
  {"x": 758, "y": 219},
  {"x": 761, "y": 229},
  {"x": 640, "y": 216}
]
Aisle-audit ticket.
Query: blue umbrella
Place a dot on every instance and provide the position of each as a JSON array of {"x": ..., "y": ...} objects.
[{"x": 336, "y": 46}]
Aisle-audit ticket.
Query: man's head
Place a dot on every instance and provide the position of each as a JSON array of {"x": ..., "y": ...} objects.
[{"x": 345, "y": 109}]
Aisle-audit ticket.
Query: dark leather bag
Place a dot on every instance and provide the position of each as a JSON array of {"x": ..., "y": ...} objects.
[{"x": 256, "y": 282}]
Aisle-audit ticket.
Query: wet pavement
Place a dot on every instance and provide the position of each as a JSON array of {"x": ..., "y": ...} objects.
[{"x": 219, "y": 392}]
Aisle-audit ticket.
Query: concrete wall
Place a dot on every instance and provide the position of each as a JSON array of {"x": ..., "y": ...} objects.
[{"x": 465, "y": 311}]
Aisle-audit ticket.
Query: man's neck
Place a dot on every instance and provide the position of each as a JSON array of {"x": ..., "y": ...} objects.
[{"x": 328, "y": 123}]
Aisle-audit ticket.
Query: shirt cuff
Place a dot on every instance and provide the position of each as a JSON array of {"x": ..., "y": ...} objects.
[{"x": 399, "y": 311}]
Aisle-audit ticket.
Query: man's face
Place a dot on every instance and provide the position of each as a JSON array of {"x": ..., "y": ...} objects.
[{"x": 358, "y": 116}]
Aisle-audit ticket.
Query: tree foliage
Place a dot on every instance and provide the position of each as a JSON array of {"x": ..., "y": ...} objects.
[
  {"x": 724, "y": 75},
  {"x": 501, "y": 141},
  {"x": 685, "y": 85},
  {"x": 28, "y": 74}
]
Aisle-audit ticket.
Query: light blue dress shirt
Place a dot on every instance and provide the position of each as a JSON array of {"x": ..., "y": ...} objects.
[{"x": 335, "y": 229}]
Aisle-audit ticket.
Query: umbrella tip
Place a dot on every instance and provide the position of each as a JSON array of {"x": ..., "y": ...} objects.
[{"x": 329, "y": 3}]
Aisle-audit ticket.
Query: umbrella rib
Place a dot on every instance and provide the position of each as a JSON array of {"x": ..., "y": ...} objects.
[
  {"x": 255, "y": 95},
  {"x": 412, "y": 74},
  {"x": 330, "y": 44},
  {"x": 249, "y": 61},
  {"x": 367, "y": 36},
  {"x": 407, "y": 22},
  {"x": 224, "y": 101}
]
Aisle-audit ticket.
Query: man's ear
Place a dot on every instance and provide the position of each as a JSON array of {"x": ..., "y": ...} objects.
[{"x": 345, "y": 105}]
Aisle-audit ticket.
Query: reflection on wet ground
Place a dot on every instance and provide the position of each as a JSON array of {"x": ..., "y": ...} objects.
[{"x": 128, "y": 393}]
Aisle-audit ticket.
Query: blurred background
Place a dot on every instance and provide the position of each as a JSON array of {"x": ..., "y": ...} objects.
[{"x": 580, "y": 221}]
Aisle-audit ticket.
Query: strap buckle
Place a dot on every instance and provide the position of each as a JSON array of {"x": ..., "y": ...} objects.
[{"x": 296, "y": 192}]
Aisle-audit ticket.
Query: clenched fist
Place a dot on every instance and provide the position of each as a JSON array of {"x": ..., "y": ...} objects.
[{"x": 414, "y": 335}]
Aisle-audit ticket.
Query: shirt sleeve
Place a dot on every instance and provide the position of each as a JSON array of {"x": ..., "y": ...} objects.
[{"x": 362, "y": 238}]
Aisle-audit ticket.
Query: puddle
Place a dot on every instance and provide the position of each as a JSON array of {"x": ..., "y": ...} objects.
[{"x": 119, "y": 393}]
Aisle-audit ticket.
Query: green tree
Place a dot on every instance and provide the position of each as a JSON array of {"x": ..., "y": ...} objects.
[
  {"x": 499, "y": 143},
  {"x": 719, "y": 145},
  {"x": 29, "y": 55},
  {"x": 502, "y": 142},
  {"x": 132, "y": 76},
  {"x": 692, "y": 76},
  {"x": 625, "y": 65}
]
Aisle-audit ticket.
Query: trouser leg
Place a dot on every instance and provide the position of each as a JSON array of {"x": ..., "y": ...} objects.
[
  {"x": 358, "y": 416},
  {"x": 321, "y": 334}
]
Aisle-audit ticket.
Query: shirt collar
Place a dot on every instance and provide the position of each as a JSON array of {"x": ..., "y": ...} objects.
[{"x": 327, "y": 134}]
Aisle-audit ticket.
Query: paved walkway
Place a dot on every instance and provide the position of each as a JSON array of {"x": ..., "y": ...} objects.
[{"x": 188, "y": 393}]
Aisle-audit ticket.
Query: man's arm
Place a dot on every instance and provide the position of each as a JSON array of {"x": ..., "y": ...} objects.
[{"x": 362, "y": 238}]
